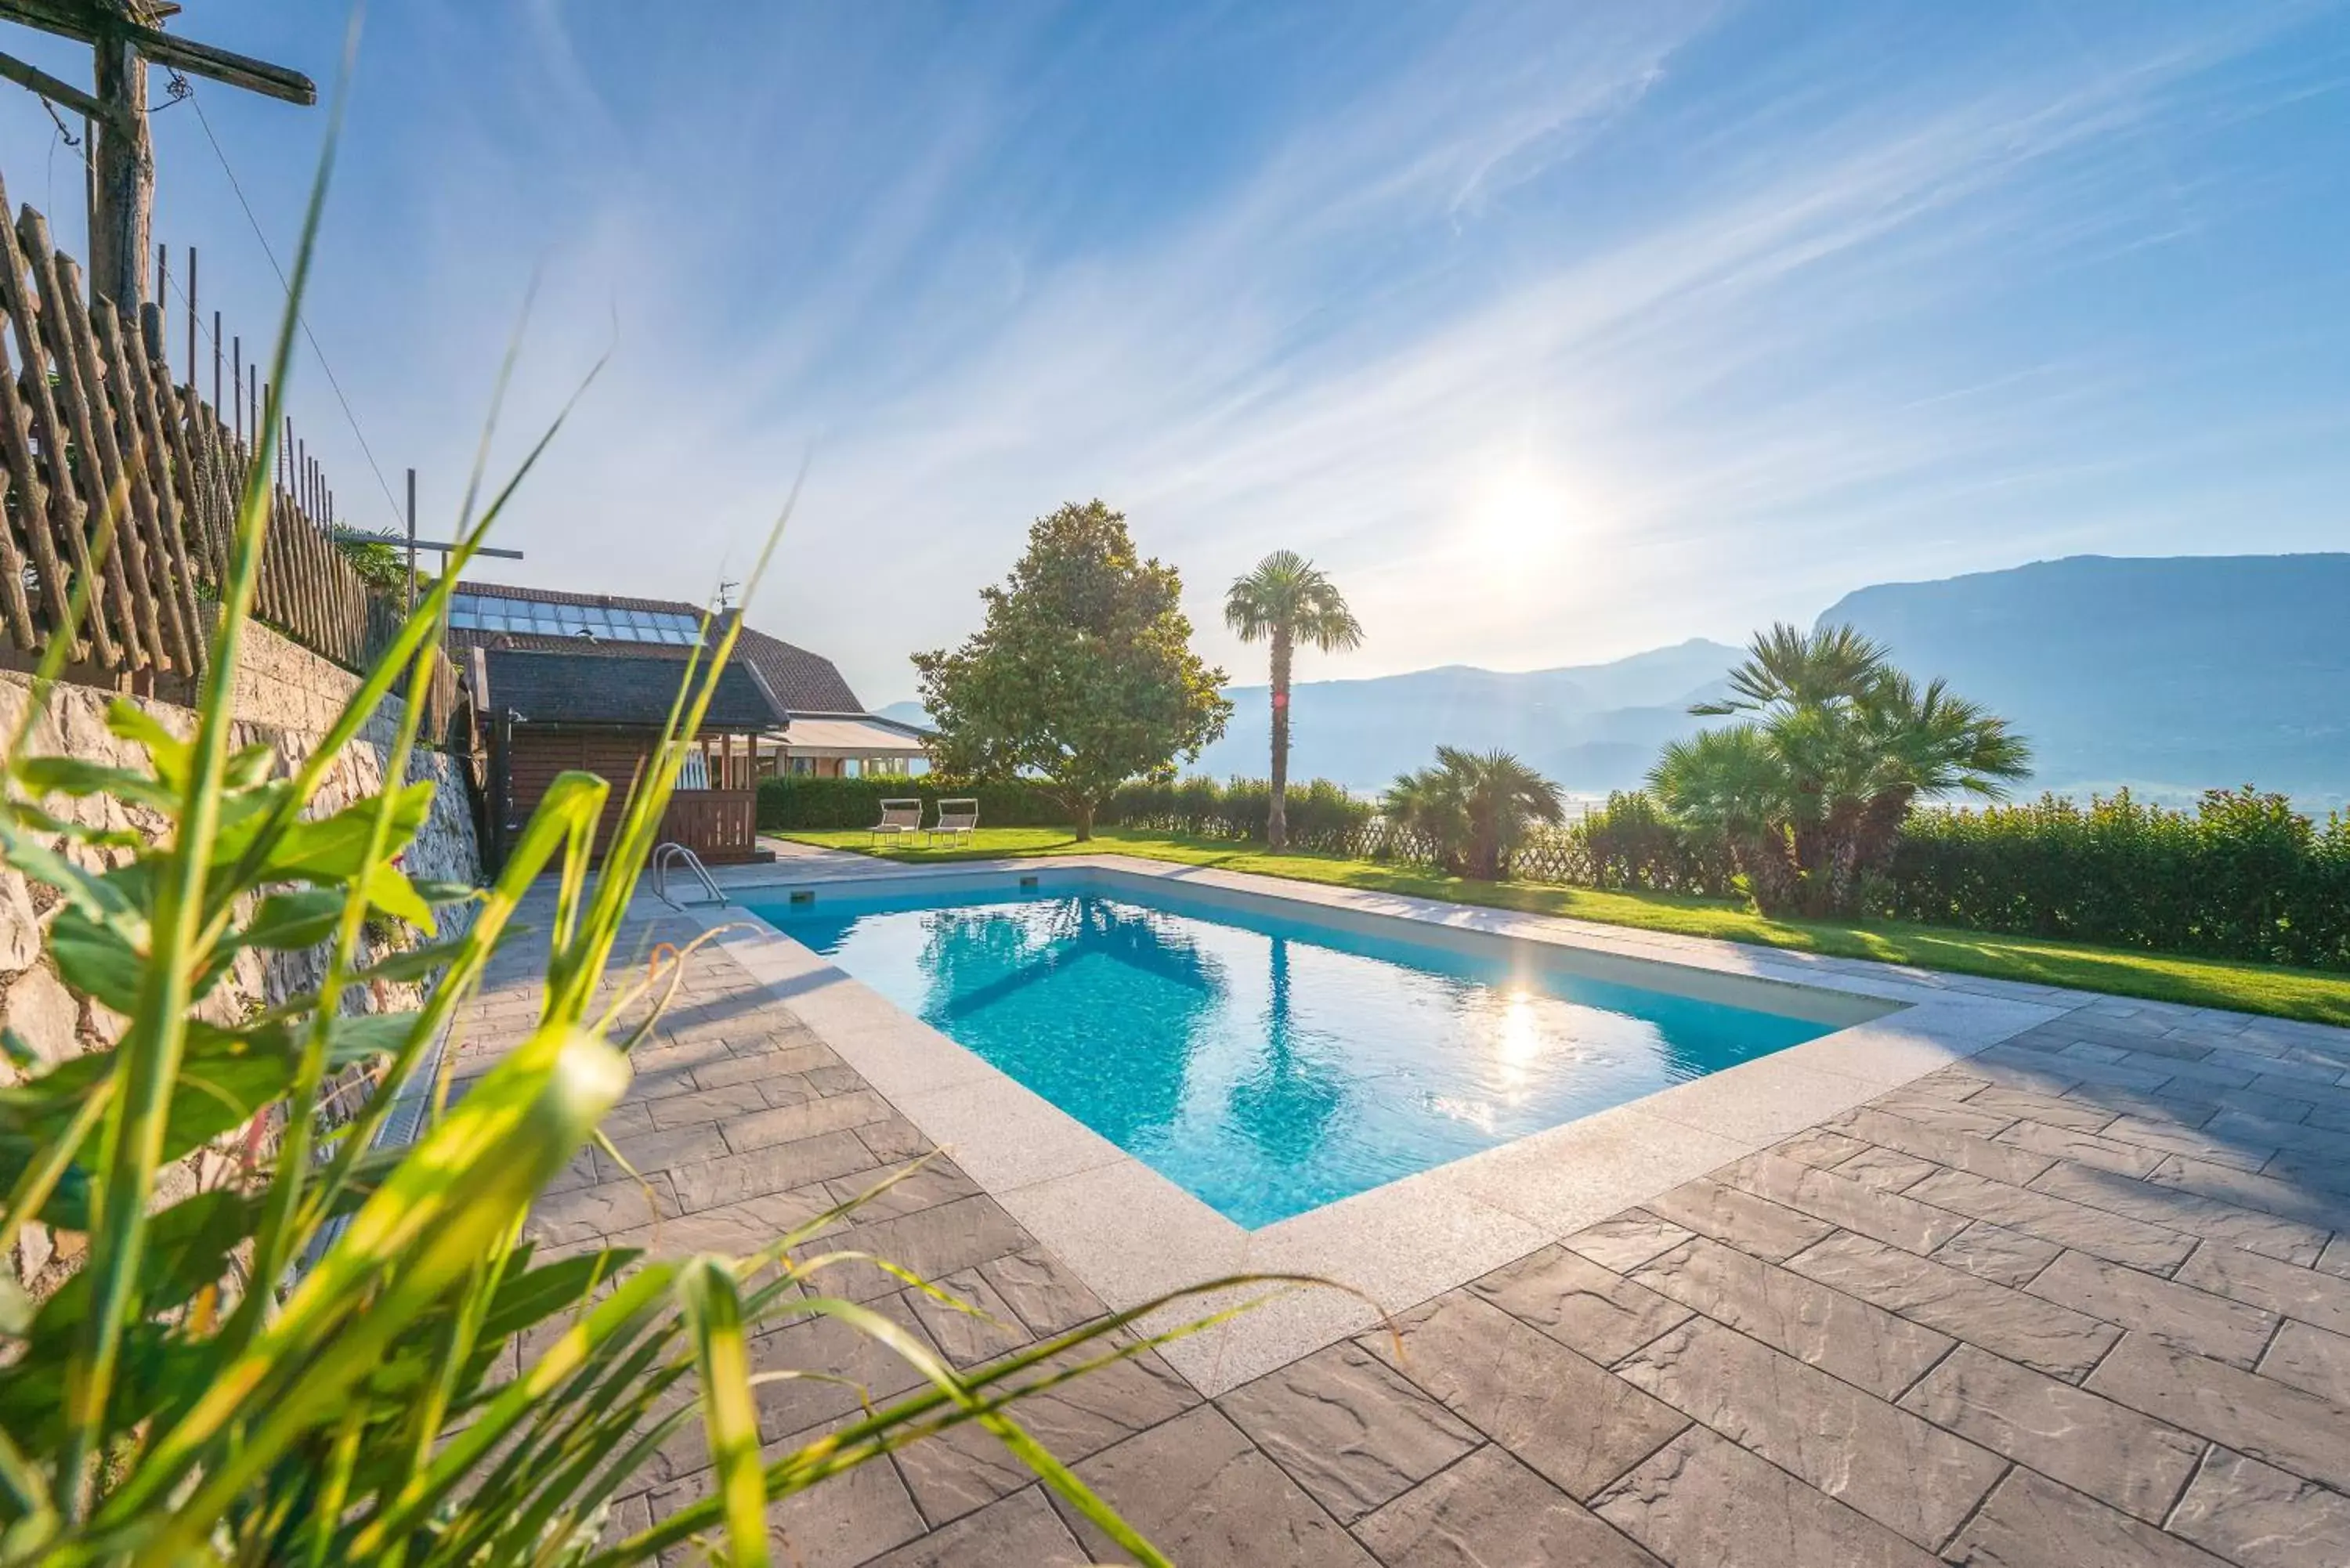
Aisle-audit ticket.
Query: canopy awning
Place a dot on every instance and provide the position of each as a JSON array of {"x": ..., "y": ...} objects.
[{"x": 808, "y": 737}]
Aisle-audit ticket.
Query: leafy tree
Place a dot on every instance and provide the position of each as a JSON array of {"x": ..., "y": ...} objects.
[
  {"x": 1475, "y": 807},
  {"x": 1083, "y": 676},
  {"x": 1286, "y": 601},
  {"x": 1811, "y": 788}
]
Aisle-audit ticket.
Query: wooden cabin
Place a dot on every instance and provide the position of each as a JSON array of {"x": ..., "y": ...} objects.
[{"x": 550, "y": 712}]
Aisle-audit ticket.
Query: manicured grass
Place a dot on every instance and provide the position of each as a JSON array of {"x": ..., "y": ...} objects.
[{"x": 2201, "y": 982}]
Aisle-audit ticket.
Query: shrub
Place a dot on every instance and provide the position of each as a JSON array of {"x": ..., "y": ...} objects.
[
  {"x": 802, "y": 804},
  {"x": 2242, "y": 875},
  {"x": 1478, "y": 809},
  {"x": 1322, "y": 816}
]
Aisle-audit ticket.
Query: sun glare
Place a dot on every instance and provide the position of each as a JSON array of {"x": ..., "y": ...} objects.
[{"x": 1521, "y": 513}]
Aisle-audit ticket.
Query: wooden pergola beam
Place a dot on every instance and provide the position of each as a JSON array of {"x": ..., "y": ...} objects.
[
  {"x": 40, "y": 81},
  {"x": 90, "y": 23}
]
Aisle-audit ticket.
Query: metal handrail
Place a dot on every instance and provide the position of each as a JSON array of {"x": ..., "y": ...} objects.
[{"x": 672, "y": 851}]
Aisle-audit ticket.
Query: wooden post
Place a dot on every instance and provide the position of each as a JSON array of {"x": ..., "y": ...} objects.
[
  {"x": 236, "y": 415},
  {"x": 216, "y": 363},
  {"x": 411, "y": 541},
  {"x": 122, "y": 192},
  {"x": 192, "y": 317}
]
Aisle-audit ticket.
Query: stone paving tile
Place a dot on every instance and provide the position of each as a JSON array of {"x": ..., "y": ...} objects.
[
  {"x": 2314, "y": 1360},
  {"x": 586, "y": 1213},
  {"x": 804, "y": 1118},
  {"x": 1490, "y": 1511},
  {"x": 2258, "y": 1132},
  {"x": 1752, "y": 1224},
  {"x": 2030, "y": 1521},
  {"x": 2023, "y": 1328},
  {"x": 2287, "y": 1199},
  {"x": 990, "y": 1329},
  {"x": 2276, "y": 1287},
  {"x": 2250, "y": 1228},
  {"x": 840, "y": 1521},
  {"x": 1818, "y": 1146},
  {"x": 1348, "y": 1428},
  {"x": 2057, "y": 1219},
  {"x": 2335, "y": 1259},
  {"x": 733, "y": 1177},
  {"x": 2171, "y": 1137},
  {"x": 1626, "y": 1240},
  {"x": 1049, "y": 1299},
  {"x": 1824, "y": 1195},
  {"x": 2052, "y": 1110},
  {"x": 1570, "y": 1420},
  {"x": 1959, "y": 1150},
  {"x": 702, "y": 1104},
  {"x": 660, "y": 1149},
  {"x": 2086, "y": 1148},
  {"x": 2257, "y": 1515},
  {"x": 1579, "y": 1303},
  {"x": 965, "y": 1467},
  {"x": 2088, "y": 1442},
  {"x": 1702, "y": 1501},
  {"x": 1885, "y": 1170},
  {"x": 1839, "y": 1333},
  {"x": 874, "y": 1372},
  {"x": 1199, "y": 1491},
  {"x": 1993, "y": 1252},
  {"x": 1020, "y": 1532},
  {"x": 945, "y": 1240},
  {"x": 2250, "y": 1414},
  {"x": 1925, "y": 1110},
  {"x": 1882, "y": 1460},
  {"x": 2191, "y": 1319}
]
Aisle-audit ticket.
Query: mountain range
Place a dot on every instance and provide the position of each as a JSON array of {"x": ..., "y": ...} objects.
[{"x": 2169, "y": 675}]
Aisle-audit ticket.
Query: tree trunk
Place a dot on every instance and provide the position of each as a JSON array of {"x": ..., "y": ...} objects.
[
  {"x": 1084, "y": 812},
  {"x": 1276, "y": 821}
]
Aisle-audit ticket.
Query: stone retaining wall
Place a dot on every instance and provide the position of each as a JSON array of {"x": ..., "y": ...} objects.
[{"x": 285, "y": 698}]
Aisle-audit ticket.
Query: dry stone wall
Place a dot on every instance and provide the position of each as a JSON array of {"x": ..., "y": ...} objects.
[{"x": 286, "y": 696}]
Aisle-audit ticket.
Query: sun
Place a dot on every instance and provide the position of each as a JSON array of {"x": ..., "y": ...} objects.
[{"x": 1521, "y": 512}]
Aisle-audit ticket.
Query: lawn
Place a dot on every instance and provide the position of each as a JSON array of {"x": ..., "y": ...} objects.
[{"x": 2161, "y": 977}]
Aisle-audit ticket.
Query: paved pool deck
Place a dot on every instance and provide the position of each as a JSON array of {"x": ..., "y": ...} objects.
[{"x": 2013, "y": 1275}]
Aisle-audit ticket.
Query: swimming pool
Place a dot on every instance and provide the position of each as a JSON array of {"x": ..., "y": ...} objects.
[{"x": 1265, "y": 1057}]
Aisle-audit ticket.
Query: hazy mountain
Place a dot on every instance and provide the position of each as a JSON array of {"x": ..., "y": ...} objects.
[
  {"x": 2170, "y": 675},
  {"x": 1593, "y": 727},
  {"x": 909, "y": 713}
]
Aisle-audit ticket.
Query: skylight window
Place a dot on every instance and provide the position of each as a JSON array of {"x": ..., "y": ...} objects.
[{"x": 487, "y": 612}]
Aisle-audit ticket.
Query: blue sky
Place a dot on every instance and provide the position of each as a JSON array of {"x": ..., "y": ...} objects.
[{"x": 1552, "y": 332}]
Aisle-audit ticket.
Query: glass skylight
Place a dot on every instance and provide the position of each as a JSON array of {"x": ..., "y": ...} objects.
[{"x": 487, "y": 612}]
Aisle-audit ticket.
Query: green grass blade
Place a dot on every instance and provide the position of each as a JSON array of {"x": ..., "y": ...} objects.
[{"x": 714, "y": 1315}]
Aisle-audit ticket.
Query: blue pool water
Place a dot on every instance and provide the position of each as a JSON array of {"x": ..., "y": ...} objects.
[{"x": 1267, "y": 1065}]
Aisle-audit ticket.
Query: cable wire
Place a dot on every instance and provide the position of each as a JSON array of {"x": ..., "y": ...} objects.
[{"x": 197, "y": 102}]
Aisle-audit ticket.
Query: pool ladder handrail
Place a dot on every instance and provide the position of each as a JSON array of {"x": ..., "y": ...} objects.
[{"x": 674, "y": 851}]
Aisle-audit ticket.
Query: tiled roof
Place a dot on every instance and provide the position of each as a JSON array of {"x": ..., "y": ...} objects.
[
  {"x": 803, "y": 681},
  {"x": 576, "y": 687}
]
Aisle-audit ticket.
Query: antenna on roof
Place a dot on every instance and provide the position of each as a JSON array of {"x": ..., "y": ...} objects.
[{"x": 726, "y": 595}]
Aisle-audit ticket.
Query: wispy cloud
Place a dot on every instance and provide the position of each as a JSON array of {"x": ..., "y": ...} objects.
[{"x": 1553, "y": 333}]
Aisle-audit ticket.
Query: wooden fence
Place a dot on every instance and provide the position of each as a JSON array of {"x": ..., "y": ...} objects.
[{"x": 92, "y": 431}]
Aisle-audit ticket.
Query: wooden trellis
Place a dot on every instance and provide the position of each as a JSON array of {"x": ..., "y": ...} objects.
[{"x": 96, "y": 438}]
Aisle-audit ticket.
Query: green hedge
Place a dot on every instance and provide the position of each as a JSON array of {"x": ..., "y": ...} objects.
[
  {"x": 1321, "y": 815},
  {"x": 2240, "y": 876},
  {"x": 806, "y": 804}
]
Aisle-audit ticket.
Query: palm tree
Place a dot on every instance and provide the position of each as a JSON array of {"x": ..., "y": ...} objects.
[
  {"x": 1286, "y": 601},
  {"x": 1810, "y": 793},
  {"x": 1476, "y": 807}
]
